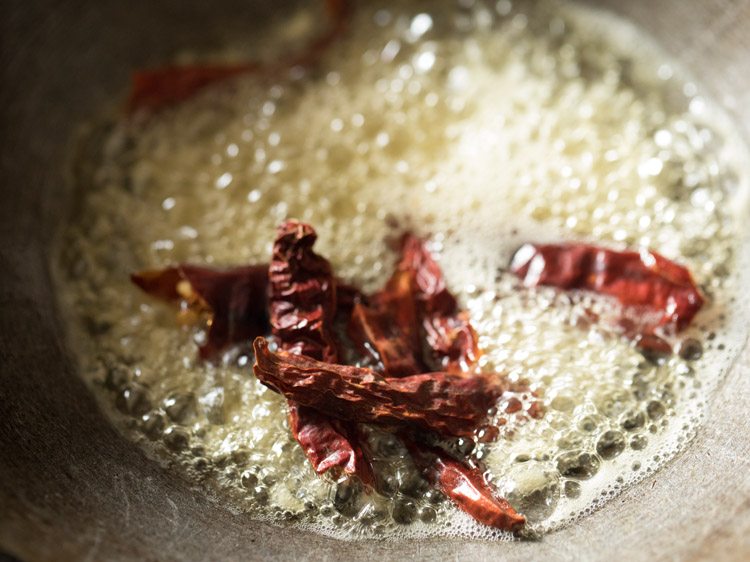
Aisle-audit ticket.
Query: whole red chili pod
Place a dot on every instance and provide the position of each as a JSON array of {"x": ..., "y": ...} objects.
[
  {"x": 303, "y": 305},
  {"x": 450, "y": 404},
  {"x": 644, "y": 280}
]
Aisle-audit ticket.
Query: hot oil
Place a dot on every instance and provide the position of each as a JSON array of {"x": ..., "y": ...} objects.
[{"x": 482, "y": 126}]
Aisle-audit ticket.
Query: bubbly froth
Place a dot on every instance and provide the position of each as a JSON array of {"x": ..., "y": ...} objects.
[{"x": 481, "y": 125}]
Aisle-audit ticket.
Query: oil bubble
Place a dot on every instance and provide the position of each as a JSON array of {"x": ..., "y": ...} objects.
[{"x": 610, "y": 444}]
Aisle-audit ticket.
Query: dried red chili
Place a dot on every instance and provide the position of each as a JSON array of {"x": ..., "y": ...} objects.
[
  {"x": 415, "y": 304},
  {"x": 236, "y": 299},
  {"x": 388, "y": 328},
  {"x": 449, "y": 404},
  {"x": 302, "y": 294},
  {"x": 466, "y": 487},
  {"x": 645, "y": 280},
  {"x": 303, "y": 305},
  {"x": 245, "y": 320},
  {"x": 161, "y": 87},
  {"x": 328, "y": 443},
  {"x": 447, "y": 330}
]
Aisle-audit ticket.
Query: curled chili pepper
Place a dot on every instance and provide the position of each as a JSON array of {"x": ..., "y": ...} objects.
[
  {"x": 388, "y": 328},
  {"x": 302, "y": 306},
  {"x": 328, "y": 443},
  {"x": 449, "y": 404},
  {"x": 238, "y": 302},
  {"x": 235, "y": 298},
  {"x": 303, "y": 294},
  {"x": 642, "y": 280},
  {"x": 162, "y": 87},
  {"x": 298, "y": 298},
  {"x": 448, "y": 332},
  {"x": 415, "y": 307},
  {"x": 465, "y": 486}
]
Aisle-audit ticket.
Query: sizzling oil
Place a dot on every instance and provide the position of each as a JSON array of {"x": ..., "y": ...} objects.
[{"x": 480, "y": 125}]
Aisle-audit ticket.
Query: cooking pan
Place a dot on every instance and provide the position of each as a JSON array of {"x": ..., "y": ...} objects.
[{"x": 72, "y": 488}]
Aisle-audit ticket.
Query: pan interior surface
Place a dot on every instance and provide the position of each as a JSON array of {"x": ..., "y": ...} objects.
[{"x": 155, "y": 505}]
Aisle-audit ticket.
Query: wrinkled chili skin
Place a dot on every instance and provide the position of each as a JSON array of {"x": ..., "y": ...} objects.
[
  {"x": 236, "y": 298},
  {"x": 328, "y": 443},
  {"x": 447, "y": 330},
  {"x": 637, "y": 279},
  {"x": 302, "y": 294},
  {"x": 372, "y": 331},
  {"x": 388, "y": 328},
  {"x": 449, "y": 404},
  {"x": 414, "y": 321},
  {"x": 453, "y": 340},
  {"x": 303, "y": 305},
  {"x": 430, "y": 284},
  {"x": 323, "y": 445},
  {"x": 466, "y": 487},
  {"x": 162, "y": 87}
]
